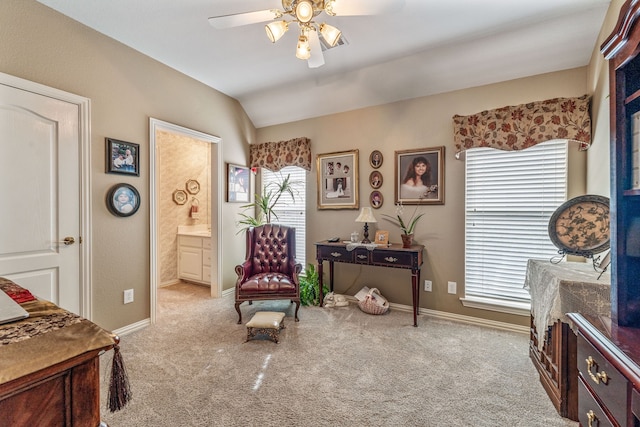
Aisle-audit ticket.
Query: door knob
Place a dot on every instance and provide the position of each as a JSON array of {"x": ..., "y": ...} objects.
[{"x": 68, "y": 241}]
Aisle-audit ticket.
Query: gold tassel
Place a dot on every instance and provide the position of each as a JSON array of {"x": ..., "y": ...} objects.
[{"x": 119, "y": 391}]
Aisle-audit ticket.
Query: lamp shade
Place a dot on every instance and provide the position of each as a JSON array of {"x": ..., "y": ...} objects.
[
  {"x": 330, "y": 33},
  {"x": 366, "y": 215},
  {"x": 304, "y": 11},
  {"x": 303, "y": 51},
  {"x": 276, "y": 29}
]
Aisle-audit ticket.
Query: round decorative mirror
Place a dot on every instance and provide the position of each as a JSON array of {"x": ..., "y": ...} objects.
[{"x": 580, "y": 226}]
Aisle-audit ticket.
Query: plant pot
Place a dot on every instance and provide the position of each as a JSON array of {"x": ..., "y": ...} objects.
[{"x": 407, "y": 240}]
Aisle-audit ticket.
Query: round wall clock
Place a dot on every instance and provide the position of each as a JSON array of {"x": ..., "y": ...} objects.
[
  {"x": 193, "y": 186},
  {"x": 180, "y": 197},
  {"x": 580, "y": 226}
]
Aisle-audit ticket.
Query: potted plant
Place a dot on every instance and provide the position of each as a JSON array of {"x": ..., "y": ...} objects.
[
  {"x": 310, "y": 286},
  {"x": 264, "y": 204},
  {"x": 408, "y": 226}
]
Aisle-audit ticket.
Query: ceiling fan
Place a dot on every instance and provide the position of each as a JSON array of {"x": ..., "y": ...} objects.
[{"x": 303, "y": 12}]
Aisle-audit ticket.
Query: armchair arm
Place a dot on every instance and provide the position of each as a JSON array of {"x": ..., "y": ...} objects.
[{"x": 243, "y": 271}]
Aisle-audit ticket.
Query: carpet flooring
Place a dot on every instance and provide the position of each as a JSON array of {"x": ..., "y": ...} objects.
[{"x": 336, "y": 367}]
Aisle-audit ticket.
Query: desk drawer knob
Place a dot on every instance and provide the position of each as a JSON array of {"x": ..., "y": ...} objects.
[
  {"x": 362, "y": 257},
  {"x": 593, "y": 420},
  {"x": 336, "y": 254},
  {"x": 598, "y": 376},
  {"x": 391, "y": 259}
]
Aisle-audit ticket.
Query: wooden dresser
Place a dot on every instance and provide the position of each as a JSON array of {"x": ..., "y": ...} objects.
[{"x": 608, "y": 362}]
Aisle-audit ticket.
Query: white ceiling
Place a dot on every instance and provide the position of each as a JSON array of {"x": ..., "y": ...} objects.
[{"x": 427, "y": 47}]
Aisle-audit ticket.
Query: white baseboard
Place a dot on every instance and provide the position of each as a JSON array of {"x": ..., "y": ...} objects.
[{"x": 133, "y": 327}]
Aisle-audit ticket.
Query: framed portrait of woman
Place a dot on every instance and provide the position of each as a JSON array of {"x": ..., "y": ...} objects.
[
  {"x": 338, "y": 180},
  {"x": 419, "y": 176}
]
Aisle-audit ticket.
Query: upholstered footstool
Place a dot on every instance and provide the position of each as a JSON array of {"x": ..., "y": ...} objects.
[{"x": 265, "y": 323}]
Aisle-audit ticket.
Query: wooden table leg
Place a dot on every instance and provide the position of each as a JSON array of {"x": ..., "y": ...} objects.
[
  {"x": 331, "y": 276},
  {"x": 320, "y": 284},
  {"x": 415, "y": 280}
]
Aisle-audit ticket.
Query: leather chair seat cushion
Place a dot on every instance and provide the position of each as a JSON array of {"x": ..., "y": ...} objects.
[{"x": 268, "y": 282}]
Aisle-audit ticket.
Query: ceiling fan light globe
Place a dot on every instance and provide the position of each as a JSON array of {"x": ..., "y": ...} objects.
[
  {"x": 303, "y": 51},
  {"x": 276, "y": 29},
  {"x": 330, "y": 33},
  {"x": 304, "y": 11}
]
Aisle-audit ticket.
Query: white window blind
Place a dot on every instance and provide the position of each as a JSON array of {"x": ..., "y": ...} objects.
[
  {"x": 510, "y": 197},
  {"x": 291, "y": 212}
]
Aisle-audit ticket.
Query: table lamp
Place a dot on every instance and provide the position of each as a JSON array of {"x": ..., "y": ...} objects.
[{"x": 366, "y": 216}]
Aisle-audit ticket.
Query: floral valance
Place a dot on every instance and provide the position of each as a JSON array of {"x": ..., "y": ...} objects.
[
  {"x": 276, "y": 155},
  {"x": 523, "y": 126}
]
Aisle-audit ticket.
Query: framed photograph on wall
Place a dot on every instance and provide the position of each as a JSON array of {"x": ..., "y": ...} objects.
[
  {"x": 419, "y": 176},
  {"x": 123, "y": 200},
  {"x": 375, "y": 179},
  {"x": 238, "y": 184},
  {"x": 376, "y": 199},
  {"x": 375, "y": 159},
  {"x": 338, "y": 180},
  {"x": 123, "y": 157}
]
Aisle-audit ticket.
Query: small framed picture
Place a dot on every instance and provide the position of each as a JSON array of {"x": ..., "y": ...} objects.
[
  {"x": 376, "y": 199},
  {"x": 338, "y": 180},
  {"x": 375, "y": 179},
  {"x": 419, "y": 176},
  {"x": 382, "y": 237},
  {"x": 238, "y": 184},
  {"x": 123, "y": 200},
  {"x": 375, "y": 159},
  {"x": 123, "y": 157}
]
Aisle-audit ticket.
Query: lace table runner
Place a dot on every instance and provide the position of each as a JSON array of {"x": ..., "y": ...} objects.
[{"x": 566, "y": 287}]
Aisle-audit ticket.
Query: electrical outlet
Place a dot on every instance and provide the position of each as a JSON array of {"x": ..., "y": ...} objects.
[
  {"x": 128, "y": 296},
  {"x": 452, "y": 287},
  {"x": 428, "y": 285}
]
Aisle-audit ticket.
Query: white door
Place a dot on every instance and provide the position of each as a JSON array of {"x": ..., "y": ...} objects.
[{"x": 40, "y": 195}]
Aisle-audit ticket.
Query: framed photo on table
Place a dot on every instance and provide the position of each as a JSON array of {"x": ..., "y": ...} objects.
[
  {"x": 122, "y": 157},
  {"x": 338, "y": 180},
  {"x": 382, "y": 237},
  {"x": 419, "y": 176},
  {"x": 238, "y": 184}
]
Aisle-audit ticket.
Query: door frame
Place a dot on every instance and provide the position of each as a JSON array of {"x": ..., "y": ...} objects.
[
  {"x": 84, "y": 153},
  {"x": 156, "y": 125}
]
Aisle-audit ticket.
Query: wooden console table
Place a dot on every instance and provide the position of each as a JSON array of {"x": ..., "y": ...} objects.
[{"x": 394, "y": 256}]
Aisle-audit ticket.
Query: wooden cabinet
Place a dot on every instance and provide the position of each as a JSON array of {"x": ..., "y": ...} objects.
[
  {"x": 608, "y": 372},
  {"x": 621, "y": 49},
  {"x": 194, "y": 258}
]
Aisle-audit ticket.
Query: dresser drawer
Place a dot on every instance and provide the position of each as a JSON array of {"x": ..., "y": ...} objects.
[
  {"x": 391, "y": 258},
  {"x": 335, "y": 253},
  {"x": 606, "y": 382},
  {"x": 590, "y": 413}
]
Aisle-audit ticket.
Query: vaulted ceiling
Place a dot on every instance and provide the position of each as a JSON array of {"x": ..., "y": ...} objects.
[{"x": 425, "y": 47}]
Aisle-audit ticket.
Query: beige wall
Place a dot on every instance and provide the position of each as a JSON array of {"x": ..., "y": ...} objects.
[
  {"x": 125, "y": 89},
  {"x": 418, "y": 123}
]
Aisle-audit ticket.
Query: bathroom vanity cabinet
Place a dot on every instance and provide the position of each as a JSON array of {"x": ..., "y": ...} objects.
[{"x": 194, "y": 258}]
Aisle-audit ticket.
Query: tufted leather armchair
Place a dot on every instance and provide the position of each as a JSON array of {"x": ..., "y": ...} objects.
[{"x": 270, "y": 271}]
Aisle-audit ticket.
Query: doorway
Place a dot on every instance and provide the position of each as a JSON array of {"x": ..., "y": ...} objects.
[{"x": 158, "y": 127}]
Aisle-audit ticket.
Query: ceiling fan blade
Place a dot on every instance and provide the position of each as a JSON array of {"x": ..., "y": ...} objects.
[
  {"x": 366, "y": 7},
  {"x": 317, "y": 58},
  {"x": 239, "y": 19}
]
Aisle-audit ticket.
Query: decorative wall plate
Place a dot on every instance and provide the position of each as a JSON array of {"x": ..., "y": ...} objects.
[
  {"x": 580, "y": 226},
  {"x": 180, "y": 197},
  {"x": 193, "y": 186}
]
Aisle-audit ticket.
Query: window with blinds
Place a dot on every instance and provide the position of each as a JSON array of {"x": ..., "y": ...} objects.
[
  {"x": 510, "y": 197},
  {"x": 291, "y": 212}
]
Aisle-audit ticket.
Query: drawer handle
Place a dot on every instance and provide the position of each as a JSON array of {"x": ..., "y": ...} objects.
[
  {"x": 336, "y": 254},
  {"x": 362, "y": 257},
  {"x": 391, "y": 259},
  {"x": 591, "y": 416},
  {"x": 598, "y": 376}
]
